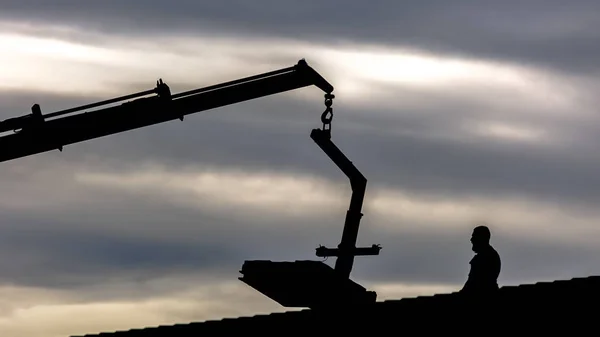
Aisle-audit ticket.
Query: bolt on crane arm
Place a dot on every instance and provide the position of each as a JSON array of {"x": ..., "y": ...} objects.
[{"x": 36, "y": 133}]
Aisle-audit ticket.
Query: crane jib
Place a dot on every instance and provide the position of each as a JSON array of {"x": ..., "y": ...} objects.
[{"x": 37, "y": 133}]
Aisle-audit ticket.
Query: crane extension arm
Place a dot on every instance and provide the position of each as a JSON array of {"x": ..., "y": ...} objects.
[{"x": 36, "y": 133}]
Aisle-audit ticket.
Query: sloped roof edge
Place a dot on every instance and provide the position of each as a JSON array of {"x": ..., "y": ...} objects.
[{"x": 554, "y": 291}]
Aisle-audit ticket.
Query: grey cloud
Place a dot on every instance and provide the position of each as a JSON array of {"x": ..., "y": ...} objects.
[
  {"x": 69, "y": 259},
  {"x": 15, "y": 103},
  {"x": 93, "y": 236},
  {"x": 545, "y": 33},
  {"x": 81, "y": 246},
  {"x": 272, "y": 133},
  {"x": 68, "y": 254},
  {"x": 141, "y": 238},
  {"x": 77, "y": 250},
  {"x": 105, "y": 239},
  {"x": 392, "y": 148},
  {"x": 443, "y": 258}
]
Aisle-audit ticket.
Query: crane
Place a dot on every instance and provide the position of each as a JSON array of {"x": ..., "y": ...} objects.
[{"x": 37, "y": 133}]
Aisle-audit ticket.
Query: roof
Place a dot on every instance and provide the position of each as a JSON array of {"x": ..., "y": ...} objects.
[{"x": 538, "y": 304}]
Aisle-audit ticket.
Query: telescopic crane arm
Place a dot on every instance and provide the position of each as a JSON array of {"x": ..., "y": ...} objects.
[{"x": 37, "y": 133}]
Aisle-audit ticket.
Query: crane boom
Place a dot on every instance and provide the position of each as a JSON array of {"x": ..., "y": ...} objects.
[
  {"x": 37, "y": 133},
  {"x": 40, "y": 133}
]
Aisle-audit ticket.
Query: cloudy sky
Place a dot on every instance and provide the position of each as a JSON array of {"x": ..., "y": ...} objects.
[{"x": 457, "y": 112}]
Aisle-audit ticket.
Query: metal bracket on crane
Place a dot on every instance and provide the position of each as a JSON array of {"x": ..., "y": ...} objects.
[{"x": 314, "y": 284}]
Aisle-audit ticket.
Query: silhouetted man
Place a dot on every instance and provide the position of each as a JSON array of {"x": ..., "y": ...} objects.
[{"x": 485, "y": 266}]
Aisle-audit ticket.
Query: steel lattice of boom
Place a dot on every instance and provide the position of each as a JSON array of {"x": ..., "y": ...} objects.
[{"x": 37, "y": 133}]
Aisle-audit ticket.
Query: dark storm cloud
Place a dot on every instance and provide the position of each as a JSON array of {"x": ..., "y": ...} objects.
[
  {"x": 101, "y": 244},
  {"x": 548, "y": 33},
  {"x": 393, "y": 148},
  {"x": 43, "y": 253},
  {"x": 88, "y": 245},
  {"x": 57, "y": 258},
  {"x": 146, "y": 240}
]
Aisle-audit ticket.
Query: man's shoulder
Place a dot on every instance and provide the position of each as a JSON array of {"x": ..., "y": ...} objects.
[
  {"x": 493, "y": 255},
  {"x": 490, "y": 252},
  {"x": 494, "y": 251}
]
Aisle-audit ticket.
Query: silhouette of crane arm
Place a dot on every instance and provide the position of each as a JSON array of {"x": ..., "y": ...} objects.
[
  {"x": 347, "y": 249},
  {"x": 37, "y": 133}
]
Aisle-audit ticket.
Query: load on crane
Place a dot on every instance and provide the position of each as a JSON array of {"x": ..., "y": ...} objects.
[{"x": 294, "y": 284}]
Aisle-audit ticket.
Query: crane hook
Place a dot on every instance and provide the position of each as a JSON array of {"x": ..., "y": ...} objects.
[{"x": 327, "y": 115}]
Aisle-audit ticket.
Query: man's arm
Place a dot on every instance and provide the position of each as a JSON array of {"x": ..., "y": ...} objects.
[
  {"x": 471, "y": 282},
  {"x": 468, "y": 285}
]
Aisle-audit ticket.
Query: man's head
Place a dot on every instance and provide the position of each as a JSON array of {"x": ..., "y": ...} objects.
[{"x": 480, "y": 238}]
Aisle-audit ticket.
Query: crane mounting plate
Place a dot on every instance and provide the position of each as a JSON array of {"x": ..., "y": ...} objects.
[{"x": 308, "y": 284}]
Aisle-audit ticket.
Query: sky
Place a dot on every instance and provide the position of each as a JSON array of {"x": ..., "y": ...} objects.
[{"x": 458, "y": 113}]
